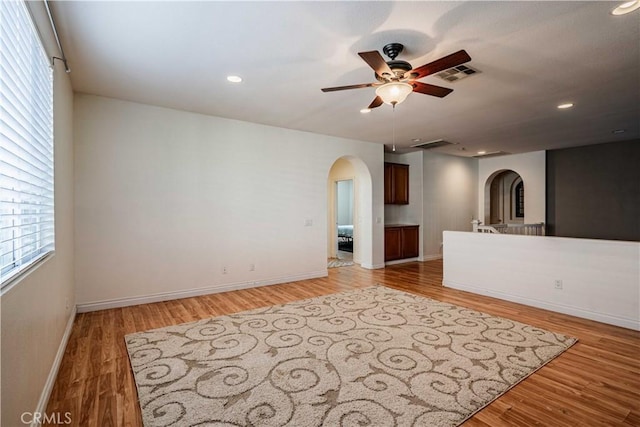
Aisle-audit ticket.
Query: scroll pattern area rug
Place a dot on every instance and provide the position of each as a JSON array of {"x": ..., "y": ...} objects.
[{"x": 367, "y": 357}]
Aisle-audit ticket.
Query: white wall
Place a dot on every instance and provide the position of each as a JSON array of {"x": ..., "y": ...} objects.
[
  {"x": 37, "y": 308},
  {"x": 344, "y": 198},
  {"x": 450, "y": 197},
  {"x": 166, "y": 198},
  {"x": 600, "y": 278},
  {"x": 531, "y": 167}
]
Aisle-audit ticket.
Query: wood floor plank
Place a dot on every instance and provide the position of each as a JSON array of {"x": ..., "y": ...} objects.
[
  {"x": 595, "y": 382},
  {"x": 107, "y": 413},
  {"x": 633, "y": 419}
]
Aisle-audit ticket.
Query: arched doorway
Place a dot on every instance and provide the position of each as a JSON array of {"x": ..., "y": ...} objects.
[
  {"x": 349, "y": 231},
  {"x": 504, "y": 198}
]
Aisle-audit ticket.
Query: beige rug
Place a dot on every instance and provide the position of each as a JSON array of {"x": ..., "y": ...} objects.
[
  {"x": 368, "y": 357},
  {"x": 336, "y": 262}
]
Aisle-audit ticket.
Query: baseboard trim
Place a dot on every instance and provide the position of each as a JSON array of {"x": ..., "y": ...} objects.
[
  {"x": 559, "y": 308},
  {"x": 371, "y": 266},
  {"x": 431, "y": 257},
  {"x": 53, "y": 373},
  {"x": 167, "y": 296},
  {"x": 402, "y": 261}
]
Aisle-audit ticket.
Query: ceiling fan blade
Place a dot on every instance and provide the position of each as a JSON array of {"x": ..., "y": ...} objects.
[
  {"x": 449, "y": 61},
  {"x": 333, "y": 89},
  {"x": 376, "y": 102},
  {"x": 433, "y": 90},
  {"x": 377, "y": 62}
]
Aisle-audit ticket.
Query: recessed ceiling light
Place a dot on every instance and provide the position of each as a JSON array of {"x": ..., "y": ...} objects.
[
  {"x": 619, "y": 131},
  {"x": 234, "y": 79},
  {"x": 565, "y": 106},
  {"x": 482, "y": 152},
  {"x": 365, "y": 110},
  {"x": 626, "y": 7},
  {"x": 416, "y": 140}
]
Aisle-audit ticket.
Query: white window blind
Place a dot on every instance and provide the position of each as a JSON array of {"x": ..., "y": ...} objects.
[{"x": 26, "y": 143}]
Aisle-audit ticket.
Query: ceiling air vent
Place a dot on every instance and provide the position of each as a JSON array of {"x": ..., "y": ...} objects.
[
  {"x": 457, "y": 73},
  {"x": 491, "y": 154},
  {"x": 433, "y": 144}
]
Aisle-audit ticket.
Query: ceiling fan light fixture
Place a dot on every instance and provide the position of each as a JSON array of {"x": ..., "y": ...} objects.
[
  {"x": 365, "y": 110},
  {"x": 626, "y": 7},
  {"x": 394, "y": 93}
]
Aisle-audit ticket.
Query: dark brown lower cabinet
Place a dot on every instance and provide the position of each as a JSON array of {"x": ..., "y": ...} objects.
[
  {"x": 401, "y": 241},
  {"x": 392, "y": 243}
]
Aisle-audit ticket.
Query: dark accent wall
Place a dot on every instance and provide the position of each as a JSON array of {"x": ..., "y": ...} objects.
[{"x": 594, "y": 191}]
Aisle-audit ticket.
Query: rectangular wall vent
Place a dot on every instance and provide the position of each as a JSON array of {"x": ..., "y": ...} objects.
[
  {"x": 491, "y": 154},
  {"x": 457, "y": 73},
  {"x": 433, "y": 144}
]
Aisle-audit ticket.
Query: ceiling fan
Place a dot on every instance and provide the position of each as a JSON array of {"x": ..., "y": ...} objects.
[{"x": 397, "y": 78}]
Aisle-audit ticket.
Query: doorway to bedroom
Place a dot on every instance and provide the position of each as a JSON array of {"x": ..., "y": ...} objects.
[
  {"x": 344, "y": 219},
  {"x": 342, "y": 214}
]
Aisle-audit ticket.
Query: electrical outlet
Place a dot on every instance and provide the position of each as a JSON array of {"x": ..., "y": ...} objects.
[
  {"x": 224, "y": 269},
  {"x": 558, "y": 284},
  {"x": 66, "y": 303},
  {"x": 252, "y": 267}
]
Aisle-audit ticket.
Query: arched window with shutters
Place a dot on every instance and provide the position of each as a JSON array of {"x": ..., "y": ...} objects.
[{"x": 519, "y": 200}]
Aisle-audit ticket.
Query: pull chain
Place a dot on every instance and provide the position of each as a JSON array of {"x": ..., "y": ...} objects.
[{"x": 393, "y": 125}]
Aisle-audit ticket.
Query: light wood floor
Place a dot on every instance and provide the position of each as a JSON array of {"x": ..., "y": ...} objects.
[{"x": 595, "y": 383}]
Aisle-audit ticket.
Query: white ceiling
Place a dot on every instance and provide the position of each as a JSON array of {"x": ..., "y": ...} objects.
[{"x": 532, "y": 56}]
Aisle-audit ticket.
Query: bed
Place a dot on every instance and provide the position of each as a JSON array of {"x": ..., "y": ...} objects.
[{"x": 345, "y": 238}]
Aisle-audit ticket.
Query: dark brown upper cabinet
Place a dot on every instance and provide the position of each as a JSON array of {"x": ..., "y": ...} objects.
[{"x": 396, "y": 184}]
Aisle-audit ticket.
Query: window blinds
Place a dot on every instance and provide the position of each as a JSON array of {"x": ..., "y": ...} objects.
[{"x": 26, "y": 143}]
